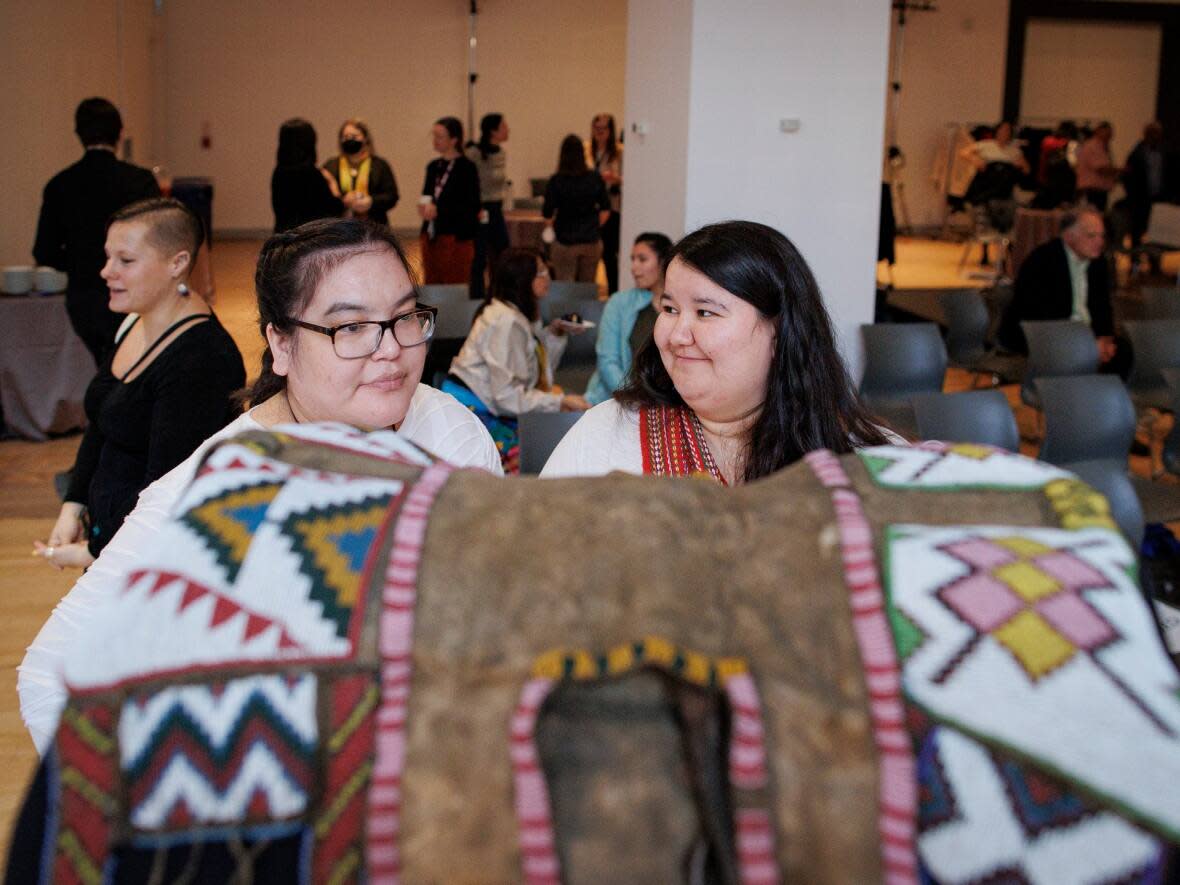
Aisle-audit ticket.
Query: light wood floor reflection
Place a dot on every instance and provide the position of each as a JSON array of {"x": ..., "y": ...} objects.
[{"x": 29, "y": 589}]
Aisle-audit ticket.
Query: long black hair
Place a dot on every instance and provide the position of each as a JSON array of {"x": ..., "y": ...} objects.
[
  {"x": 488, "y": 125},
  {"x": 296, "y": 143},
  {"x": 512, "y": 279},
  {"x": 810, "y": 401},
  {"x": 571, "y": 159},
  {"x": 290, "y": 267}
]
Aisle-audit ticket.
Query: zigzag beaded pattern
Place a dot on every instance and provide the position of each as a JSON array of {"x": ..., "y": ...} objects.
[
  {"x": 395, "y": 638},
  {"x": 757, "y": 864},
  {"x": 673, "y": 443},
  {"x": 898, "y": 793},
  {"x": 85, "y": 780}
]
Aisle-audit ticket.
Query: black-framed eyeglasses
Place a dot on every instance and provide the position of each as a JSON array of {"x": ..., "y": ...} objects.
[{"x": 354, "y": 341}]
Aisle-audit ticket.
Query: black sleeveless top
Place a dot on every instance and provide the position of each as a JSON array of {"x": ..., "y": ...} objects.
[{"x": 139, "y": 430}]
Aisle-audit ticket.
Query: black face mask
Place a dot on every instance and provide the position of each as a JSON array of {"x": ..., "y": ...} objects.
[{"x": 352, "y": 145}]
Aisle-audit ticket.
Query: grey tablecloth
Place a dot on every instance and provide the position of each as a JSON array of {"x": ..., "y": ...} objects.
[{"x": 44, "y": 367}]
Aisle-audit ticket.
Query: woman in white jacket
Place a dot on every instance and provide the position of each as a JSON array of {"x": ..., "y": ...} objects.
[{"x": 505, "y": 367}]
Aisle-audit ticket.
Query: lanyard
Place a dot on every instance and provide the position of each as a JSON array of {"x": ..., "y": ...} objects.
[{"x": 441, "y": 182}]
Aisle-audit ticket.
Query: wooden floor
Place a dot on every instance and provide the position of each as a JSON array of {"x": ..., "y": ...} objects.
[{"x": 29, "y": 589}]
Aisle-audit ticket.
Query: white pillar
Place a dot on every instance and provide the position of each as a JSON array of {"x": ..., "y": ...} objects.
[{"x": 712, "y": 82}]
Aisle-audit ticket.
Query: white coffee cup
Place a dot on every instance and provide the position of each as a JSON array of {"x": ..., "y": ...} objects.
[{"x": 425, "y": 200}]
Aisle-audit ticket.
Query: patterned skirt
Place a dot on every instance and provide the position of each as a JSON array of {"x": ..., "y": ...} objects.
[{"x": 502, "y": 427}]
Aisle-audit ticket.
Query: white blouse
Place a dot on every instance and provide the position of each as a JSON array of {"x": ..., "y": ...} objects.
[
  {"x": 605, "y": 439},
  {"x": 498, "y": 361},
  {"x": 435, "y": 421}
]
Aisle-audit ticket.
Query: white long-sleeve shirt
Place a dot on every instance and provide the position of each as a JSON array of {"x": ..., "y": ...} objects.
[
  {"x": 498, "y": 361},
  {"x": 435, "y": 421}
]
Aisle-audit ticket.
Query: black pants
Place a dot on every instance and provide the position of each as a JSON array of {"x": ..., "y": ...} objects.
[
  {"x": 610, "y": 252},
  {"x": 93, "y": 321},
  {"x": 490, "y": 240}
]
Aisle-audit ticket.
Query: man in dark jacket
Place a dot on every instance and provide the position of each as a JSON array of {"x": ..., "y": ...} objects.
[
  {"x": 76, "y": 204},
  {"x": 1066, "y": 278}
]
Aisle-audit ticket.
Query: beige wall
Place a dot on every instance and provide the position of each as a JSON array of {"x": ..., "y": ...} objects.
[
  {"x": 1092, "y": 70},
  {"x": 243, "y": 68},
  {"x": 45, "y": 77},
  {"x": 953, "y": 69}
]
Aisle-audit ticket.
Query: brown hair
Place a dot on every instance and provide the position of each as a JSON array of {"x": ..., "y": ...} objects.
[{"x": 172, "y": 226}]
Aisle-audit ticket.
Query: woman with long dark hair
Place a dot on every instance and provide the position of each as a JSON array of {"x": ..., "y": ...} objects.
[
  {"x": 492, "y": 164},
  {"x": 604, "y": 154},
  {"x": 629, "y": 316},
  {"x": 577, "y": 197},
  {"x": 300, "y": 192},
  {"x": 742, "y": 376},
  {"x": 505, "y": 367},
  {"x": 449, "y": 207}
]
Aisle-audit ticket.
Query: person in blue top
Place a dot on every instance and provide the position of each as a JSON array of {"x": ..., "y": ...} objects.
[{"x": 629, "y": 316}]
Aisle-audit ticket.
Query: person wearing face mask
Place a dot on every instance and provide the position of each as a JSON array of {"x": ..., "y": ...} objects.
[
  {"x": 365, "y": 181},
  {"x": 629, "y": 317},
  {"x": 742, "y": 376},
  {"x": 346, "y": 342}
]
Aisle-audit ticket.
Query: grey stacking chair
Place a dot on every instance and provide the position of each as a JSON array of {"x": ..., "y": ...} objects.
[
  {"x": 1109, "y": 478},
  {"x": 581, "y": 354},
  {"x": 455, "y": 318},
  {"x": 540, "y": 432},
  {"x": 450, "y": 331},
  {"x": 1171, "y": 452},
  {"x": 564, "y": 291},
  {"x": 967, "y": 326},
  {"x": 1155, "y": 345},
  {"x": 1087, "y": 418},
  {"x": 978, "y": 416},
  {"x": 436, "y": 294},
  {"x": 901, "y": 361},
  {"x": 1056, "y": 348},
  {"x": 1161, "y": 302}
]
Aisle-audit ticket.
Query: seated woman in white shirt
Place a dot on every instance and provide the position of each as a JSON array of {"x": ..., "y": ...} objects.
[
  {"x": 505, "y": 367},
  {"x": 346, "y": 342},
  {"x": 742, "y": 376},
  {"x": 998, "y": 149}
]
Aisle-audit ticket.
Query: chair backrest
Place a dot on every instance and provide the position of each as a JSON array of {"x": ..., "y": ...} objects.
[
  {"x": 581, "y": 349},
  {"x": 540, "y": 432},
  {"x": 563, "y": 292},
  {"x": 455, "y": 317},
  {"x": 967, "y": 322},
  {"x": 1056, "y": 348},
  {"x": 443, "y": 293},
  {"x": 902, "y": 359},
  {"x": 1163, "y": 227},
  {"x": 1171, "y": 453},
  {"x": 1087, "y": 418},
  {"x": 1155, "y": 345},
  {"x": 1161, "y": 302},
  {"x": 1110, "y": 478},
  {"x": 977, "y": 416}
]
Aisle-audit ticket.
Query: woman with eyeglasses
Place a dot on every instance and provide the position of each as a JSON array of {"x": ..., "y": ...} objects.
[
  {"x": 346, "y": 342},
  {"x": 505, "y": 367}
]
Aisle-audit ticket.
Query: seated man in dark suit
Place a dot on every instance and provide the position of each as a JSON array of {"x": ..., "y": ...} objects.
[
  {"x": 72, "y": 229},
  {"x": 1066, "y": 278}
]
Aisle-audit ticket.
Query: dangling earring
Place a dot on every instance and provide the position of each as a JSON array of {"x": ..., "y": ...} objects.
[{"x": 182, "y": 290}]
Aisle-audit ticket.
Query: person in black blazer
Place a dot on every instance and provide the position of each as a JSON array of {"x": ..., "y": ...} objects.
[
  {"x": 72, "y": 228},
  {"x": 1044, "y": 285}
]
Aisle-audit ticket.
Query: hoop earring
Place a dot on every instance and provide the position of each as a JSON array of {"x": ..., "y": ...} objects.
[{"x": 182, "y": 290}]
